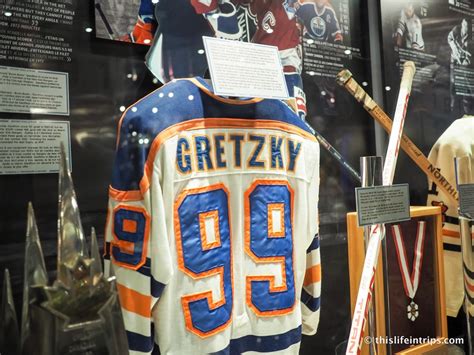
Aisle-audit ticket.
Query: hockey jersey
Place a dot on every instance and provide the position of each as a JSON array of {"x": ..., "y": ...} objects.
[
  {"x": 411, "y": 28},
  {"x": 212, "y": 228},
  {"x": 321, "y": 25},
  {"x": 456, "y": 141},
  {"x": 276, "y": 26}
]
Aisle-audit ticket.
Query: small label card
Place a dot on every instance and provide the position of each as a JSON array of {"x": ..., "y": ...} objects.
[
  {"x": 466, "y": 199},
  {"x": 383, "y": 204},
  {"x": 242, "y": 69}
]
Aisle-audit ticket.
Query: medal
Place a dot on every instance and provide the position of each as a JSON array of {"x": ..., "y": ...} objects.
[{"x": 410, "y": 282}]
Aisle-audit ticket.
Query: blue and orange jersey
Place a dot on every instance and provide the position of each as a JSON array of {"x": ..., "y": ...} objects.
[{"x": 212, "y": 228}]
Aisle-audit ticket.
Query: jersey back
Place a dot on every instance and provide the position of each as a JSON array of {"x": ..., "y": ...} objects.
[{"x": 212, "y": 230}]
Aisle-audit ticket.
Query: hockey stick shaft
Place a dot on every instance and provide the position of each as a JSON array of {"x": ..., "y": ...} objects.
[
  {"x": 336, "y": 155},
  {"x": 105, "y": 21},
  {"x": 345, "y": 79},
  {"x": 377, "y": 232}
]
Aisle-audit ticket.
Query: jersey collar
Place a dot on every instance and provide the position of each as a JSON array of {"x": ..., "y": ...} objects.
[{"x": 206, "y": 87}]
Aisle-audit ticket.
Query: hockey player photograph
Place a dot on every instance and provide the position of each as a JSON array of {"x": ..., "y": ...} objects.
[
  {"x": 458, "y": 40},
  {"x": 320, "y": 21},
  {"x": 409, "y": 31},
  {"x": 126, "y": 20}
]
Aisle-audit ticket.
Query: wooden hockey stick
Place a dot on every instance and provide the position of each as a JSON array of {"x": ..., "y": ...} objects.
[
  {"x": 345, "y": 79},
  {"x": 377, "y": 232}
]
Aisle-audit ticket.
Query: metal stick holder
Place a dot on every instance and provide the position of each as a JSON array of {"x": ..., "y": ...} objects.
[
  {"x": 371, "y": 169},
  {"x": 466, "y": 222}
]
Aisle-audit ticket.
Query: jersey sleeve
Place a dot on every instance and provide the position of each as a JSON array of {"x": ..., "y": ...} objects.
[
  {"x": 311, "y": 292},
  {"x": 402, "y": 24},
  {"x": 136, "y": 242},
  {"x": 442, "y": 157},
  {"x": 146, "y": 11},
  {"x": 304, "y": 15},
  {"x": 334, "y": 28}
]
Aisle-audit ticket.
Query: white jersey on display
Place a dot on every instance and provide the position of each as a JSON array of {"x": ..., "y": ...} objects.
[
  {"x": 212, "y": 229},
  {"x": 456, "y": 141},
  {"x": 412, "y": 29}
]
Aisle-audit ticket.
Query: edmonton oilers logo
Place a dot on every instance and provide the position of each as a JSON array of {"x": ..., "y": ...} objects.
[{"x": 318, "y": 26}]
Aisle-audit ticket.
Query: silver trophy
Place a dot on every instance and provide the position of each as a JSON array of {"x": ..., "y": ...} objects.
[
  {"x": 80, "y": 312},
  {"x": 9, "y": 334}
]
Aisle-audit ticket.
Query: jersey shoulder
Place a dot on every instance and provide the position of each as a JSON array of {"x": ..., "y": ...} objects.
[{"x": 169, "y": 105}]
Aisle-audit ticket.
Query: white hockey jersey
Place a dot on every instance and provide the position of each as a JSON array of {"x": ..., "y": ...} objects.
[
  {"x": 456, "y": 141},
  {"x": 412, "y": 29},
  {"x": 212, "y": 228}
]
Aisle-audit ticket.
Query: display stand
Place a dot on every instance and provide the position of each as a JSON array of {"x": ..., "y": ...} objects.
[{"x": 430, "y": 297}]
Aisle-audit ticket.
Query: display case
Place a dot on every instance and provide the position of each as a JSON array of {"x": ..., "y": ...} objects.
[{"x": 393, "y": 321}]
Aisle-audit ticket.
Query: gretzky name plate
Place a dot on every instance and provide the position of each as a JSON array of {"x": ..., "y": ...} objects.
[
  {"x": 242, "y": 69},
  {"x": 32, "y": 147},
  {"x": 383, "y": 204},
  {"x": 34, "y": 91},
  {"x": 466, "y": 199}
]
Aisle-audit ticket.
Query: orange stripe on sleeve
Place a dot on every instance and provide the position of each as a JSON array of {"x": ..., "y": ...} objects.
[
  {"x": 134, "y": 301},
  {"x": 312, "y": 275},
  {"x": 454, "y": 234}
]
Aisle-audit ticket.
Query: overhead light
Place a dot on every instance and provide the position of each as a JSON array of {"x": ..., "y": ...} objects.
[
  {"x": 347, "y": 51},
  {"x": 146, "y": 41},
  {"x": 89, "y": 29},
  {"x": 365, "y": 83},
  {"x": 8, "y": 14},
  {"x": 388, "y": 88},
  {"x": 122, "y": 108},
  {"x": 201, "y": 51}
]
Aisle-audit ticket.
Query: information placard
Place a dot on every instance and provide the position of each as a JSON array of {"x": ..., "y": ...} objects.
[
  {"x": 32, "y": 147},
  {"x": 383, "y": 204},
  {"x": 466, "y": 199},
  {"x": 242, "y": 69},
  {"x": 34, "y": 91}
]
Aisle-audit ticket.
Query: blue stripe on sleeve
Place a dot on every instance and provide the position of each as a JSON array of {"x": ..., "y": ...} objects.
[
  {"x": 314, "y": 245},
  {"x": 262, "y": 344},
  {"x": 313, "y": 303},
  {"x": 157, "y": 287},
  {"x": 138, "y": 342}
]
